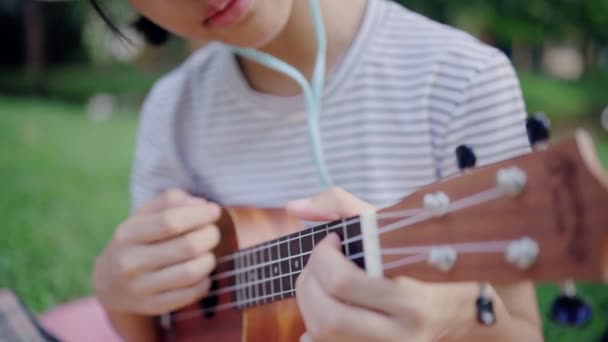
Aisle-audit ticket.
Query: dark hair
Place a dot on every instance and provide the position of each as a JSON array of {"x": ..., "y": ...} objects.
[{"x": 153, "y": 33}]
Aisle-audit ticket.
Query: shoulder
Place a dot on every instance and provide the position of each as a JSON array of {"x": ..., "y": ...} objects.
[
  {"x": 166, "y": 99},
  {"x": 199, "y": 67},
  {"x": 407, "y": 35}
]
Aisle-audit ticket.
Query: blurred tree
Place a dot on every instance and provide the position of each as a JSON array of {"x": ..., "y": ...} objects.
[
  {"x": 527, "y": 25},
  {"x": 35, "y": 60}
]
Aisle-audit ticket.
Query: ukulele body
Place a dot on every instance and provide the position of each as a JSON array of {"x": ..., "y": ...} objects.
[{"x": 276, "y": 321}]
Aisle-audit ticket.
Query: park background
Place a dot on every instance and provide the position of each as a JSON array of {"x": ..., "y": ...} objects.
[{"x": 70, "y": 91}]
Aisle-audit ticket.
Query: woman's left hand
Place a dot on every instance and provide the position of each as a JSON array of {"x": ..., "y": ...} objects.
[{"x": 340, "y": 302}]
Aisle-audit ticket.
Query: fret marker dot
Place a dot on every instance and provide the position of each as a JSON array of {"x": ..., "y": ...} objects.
[
  {"x": 275, "y": 270},
  {"x": 297, "y": 263}
]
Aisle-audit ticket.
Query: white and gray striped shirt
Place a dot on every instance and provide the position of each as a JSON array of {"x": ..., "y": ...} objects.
[{"x": 405, "y": 95}]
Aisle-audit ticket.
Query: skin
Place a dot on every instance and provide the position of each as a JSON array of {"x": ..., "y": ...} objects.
[{"x": 159, "y": 259}]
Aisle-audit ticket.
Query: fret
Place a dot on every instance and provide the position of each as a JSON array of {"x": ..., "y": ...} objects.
[
  {"x": 355, "y": 247},
  {"x": 289, "y": 261},
  {"x": 268, "y": 284},
  {"x": 237, "y": 267},
  {"x": 345, "y": 237},
  {"x": 247, "y": 274},
  {"x": 295, "y": 260},
  {"x": 276, "y": 272},
  {"x": 319, "y": 234},
  {"x": 242, "y": 276},
  {"x": 306, "y": 245},
  {"x": 253, "y": 276},
  {"x": 259, "y": 276},
  {"x": 284, "y": 267},
  {"x": 260, "y": 272}
]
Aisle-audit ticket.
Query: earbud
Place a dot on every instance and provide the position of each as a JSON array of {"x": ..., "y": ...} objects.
[{"x": 485, "y": 306}]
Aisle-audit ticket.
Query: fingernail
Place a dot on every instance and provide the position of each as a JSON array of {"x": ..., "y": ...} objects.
[{"x": 300, "y": 204}]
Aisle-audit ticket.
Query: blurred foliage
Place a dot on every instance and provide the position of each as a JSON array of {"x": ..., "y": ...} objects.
[
  {"x": 566, "y": 101},
  {"x": 79, "y": 83},
  {"x": 529, "y": 21}
]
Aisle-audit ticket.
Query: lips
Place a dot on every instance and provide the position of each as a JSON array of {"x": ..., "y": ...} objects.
[{"x": 215, "y": 8}]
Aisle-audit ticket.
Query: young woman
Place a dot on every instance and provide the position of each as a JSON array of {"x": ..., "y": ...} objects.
[{"x": 401, "y": 92}]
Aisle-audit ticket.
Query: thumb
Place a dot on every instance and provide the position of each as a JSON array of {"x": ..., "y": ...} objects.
[{"x": 329, "y": 205}]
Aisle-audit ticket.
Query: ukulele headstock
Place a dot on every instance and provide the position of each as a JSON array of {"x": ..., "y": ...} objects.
[{"x": 559, "y": 220}]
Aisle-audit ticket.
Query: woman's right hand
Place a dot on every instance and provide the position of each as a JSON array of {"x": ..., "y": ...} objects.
[{"x": 160, "y": 258}]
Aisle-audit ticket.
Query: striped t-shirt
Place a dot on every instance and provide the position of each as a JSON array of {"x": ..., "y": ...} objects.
[{"x": 407, "y": 92}]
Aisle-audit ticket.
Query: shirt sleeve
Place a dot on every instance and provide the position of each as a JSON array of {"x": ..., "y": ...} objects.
[
  {"x": 490, "y": 118},
  {"x": 157, "y": 165}
]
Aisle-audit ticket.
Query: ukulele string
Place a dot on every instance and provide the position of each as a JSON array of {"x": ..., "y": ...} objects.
[
  {"x": 410, "y": 220},
  {"x": 422, "y": 255},
  {"x": 418, "y": 251},
  {"x": 312, "y": 231}
]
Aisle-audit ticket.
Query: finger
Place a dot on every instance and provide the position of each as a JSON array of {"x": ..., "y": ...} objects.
[
  {"x": 176, "y": 299},
  {"x": 168, "y": 224},
  {"x": 330, "y": 205},
  {"x": 168, "y": 199},
  {"x": 174, "y": 277},
  {"x": 329, "y": 320},
  {"x": 185, "y": 247},
  {"x": 343, "y": 280}
]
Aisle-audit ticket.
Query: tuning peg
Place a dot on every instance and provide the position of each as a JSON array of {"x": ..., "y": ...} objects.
[
  {"x": 466, "y": 157},
  {"x": 538, "y": 127},
  {"x": 485, "y": 306},
  {"x": 570, "y": 309}
]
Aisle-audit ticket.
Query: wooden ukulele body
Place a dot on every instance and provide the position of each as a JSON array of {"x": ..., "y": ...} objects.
[{"x": 277, "y": 321}]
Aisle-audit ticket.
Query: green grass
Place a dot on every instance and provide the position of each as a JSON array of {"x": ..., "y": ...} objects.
[{"x": 64, "y": 189}]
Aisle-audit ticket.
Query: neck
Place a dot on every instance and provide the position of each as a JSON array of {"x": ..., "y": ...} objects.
[{"x": 301, "y": 54}]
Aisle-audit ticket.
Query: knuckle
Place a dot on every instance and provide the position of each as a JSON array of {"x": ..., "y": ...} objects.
[
  {"x": 174, "y": 196},
  {"x": 170, "y": 222},
  {"x": 191, "y": 246},
  {"x": 126, "y": 265},
  {"x": 190, "y": 272},
  {"x": 338, "y": 283},
  {"x": 134, "y": 288}
]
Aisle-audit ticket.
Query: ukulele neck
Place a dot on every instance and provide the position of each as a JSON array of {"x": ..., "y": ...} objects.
[{"x": 267, "y": 272}]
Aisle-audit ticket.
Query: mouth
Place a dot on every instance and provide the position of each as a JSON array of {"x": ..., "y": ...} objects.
[{"x": 222, "y": 13}]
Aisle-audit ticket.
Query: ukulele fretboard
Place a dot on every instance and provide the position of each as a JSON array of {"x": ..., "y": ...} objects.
[{"x": 267, "y": 272}]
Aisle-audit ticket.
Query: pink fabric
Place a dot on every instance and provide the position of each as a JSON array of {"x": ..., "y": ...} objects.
[{"x": 80, "y": 320}]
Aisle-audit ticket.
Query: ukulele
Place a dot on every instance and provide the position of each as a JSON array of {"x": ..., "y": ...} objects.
[{"x": 541, "y": 217}]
